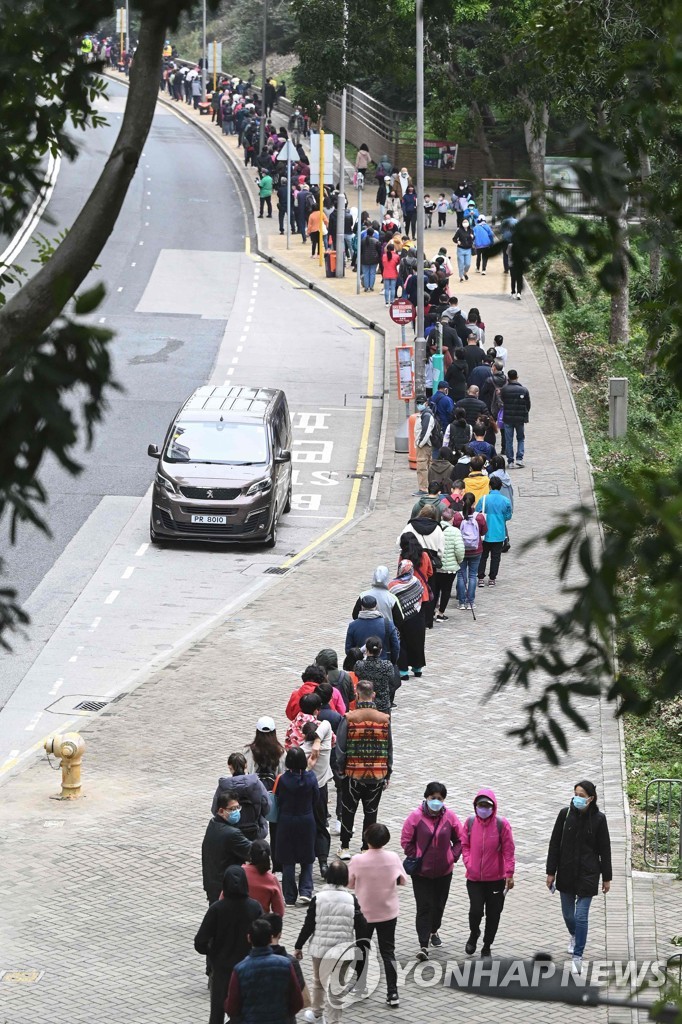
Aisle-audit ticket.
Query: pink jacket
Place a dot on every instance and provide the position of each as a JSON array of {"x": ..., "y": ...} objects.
[
  {"x": 439, "y": 859},
  {"x": 487, "y": 846}
]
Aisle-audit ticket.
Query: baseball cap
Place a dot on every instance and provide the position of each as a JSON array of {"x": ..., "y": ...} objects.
[{"x": 265, "y": 724}]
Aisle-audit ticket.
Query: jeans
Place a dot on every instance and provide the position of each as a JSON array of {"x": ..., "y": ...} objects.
[
  {"x": 305, "y": 882},
  {"x": 463, "y": 261},
  {"x": 355, "y": 791},
  {"x": 576, "y": 910},
  {"x": 348, "y": 243},
  {"x": 494, "y": 549},
  {"x": 509, "y": 429},
  {"x": 386, "y": 940},
  {"x": 369, "y": 273},
  {"x": 488, "y": 897},
  {"x": 390, "y": 286},
  {"x": 467, "y": 579},
  {"x": 431, "y": 895}
]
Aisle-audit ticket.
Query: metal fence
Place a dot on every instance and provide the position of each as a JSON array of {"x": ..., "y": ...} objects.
[
  {"x": 663, "y": 825},
  {"x": 370, "y": 113}
]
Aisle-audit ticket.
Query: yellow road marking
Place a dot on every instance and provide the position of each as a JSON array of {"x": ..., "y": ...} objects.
[{"x": 247, "y": 245}]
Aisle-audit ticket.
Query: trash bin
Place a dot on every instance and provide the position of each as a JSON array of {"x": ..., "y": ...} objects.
[{"x": 330, "y": 262}]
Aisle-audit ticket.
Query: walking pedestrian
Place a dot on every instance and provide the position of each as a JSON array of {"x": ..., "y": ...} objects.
[
  {"x": 410, "y": 593},
  {"x": 223, "y": 935},
  {"x": 483, "y": 239},
  {"x": 423, "y": 445},
  {"x": 409, "y": 208},
  {"x": 442, "y": 206},
  {"x": 333, "y": 920},
  {"x": 515, "y": 414},
  {"x": 251, "y": 794},
  {"x": 263, "y": 886},
  {"x": 488, "y": 854},
  {"x": 579, "y": 852},
  {"x": 364, "y": 759},
  {"x": 453, "y": 553},
  {"x": 297, "y": 794},
  {"x": 431, "y": 840},
  {"x": 515, "y": 271},
  {"x": 464, "y": 240},
  {"x": 473, "y": 527},
  {"x": 375, "y": 876},
  {"x": 264, "y": 986},
  {"x": 497, "y": 511},
  {"x": 223, "y": 844}
]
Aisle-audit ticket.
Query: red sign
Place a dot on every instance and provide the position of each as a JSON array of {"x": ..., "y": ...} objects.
[{"x": 401, "y": 311}]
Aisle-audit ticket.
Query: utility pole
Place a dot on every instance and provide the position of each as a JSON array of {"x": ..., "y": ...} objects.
[
  {"x": 128, "y": 29},
  {"x": 420, "y": 341},
  {"x": 204, "y": 60},
  {"x": 341, "y": 198},
  {"x": 263, "y": 70}
]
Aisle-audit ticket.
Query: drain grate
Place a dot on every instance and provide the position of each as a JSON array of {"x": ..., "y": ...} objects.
[
  {"x": 276, "y": 570},
  {"x": 91, "y": 705}
]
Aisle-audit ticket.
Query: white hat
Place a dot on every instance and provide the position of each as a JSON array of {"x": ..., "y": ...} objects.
[
  {"x": 265, "y": 724},
  {"x": 387, "y": 177},
  {"x": 481, "y": 218}
]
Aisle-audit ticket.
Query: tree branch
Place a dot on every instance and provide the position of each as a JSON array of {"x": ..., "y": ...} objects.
[{"x": 42, "y": 299}]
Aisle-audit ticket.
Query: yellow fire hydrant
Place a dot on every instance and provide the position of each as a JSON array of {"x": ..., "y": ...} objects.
[{"x": 69, "y": 748}]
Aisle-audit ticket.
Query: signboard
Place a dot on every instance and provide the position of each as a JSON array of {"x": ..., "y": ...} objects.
[
  {"x": 288, "y": 152},
  {"x": 328, "y": 159},
  {"x": 405, "y": 372},
  {"x": 401, "y": 311},
  {"x": 215, "y": 58},
  {"x": 121, "y": 20},
  {"x": 442, "y": 155}
]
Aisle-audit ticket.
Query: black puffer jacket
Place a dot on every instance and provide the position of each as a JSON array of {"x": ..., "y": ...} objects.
[
  {"x": 580, "y": 851},
  {"x": 516, "y": 401}
]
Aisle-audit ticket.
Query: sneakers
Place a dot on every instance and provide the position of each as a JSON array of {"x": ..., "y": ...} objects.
[
  {"x": 519, "y": 297},
  {"x": 519, "y": 464},
  {"x": 481, "y": 581},
  {"x": 483, "y": 273},
  {"x": 510, "y": 464},
  {"x": 577, "y": 965},
  {"x": 485, "y": 952},
  {"x": 436, "y": 939},
  {"x": 336, "y": 828},
  {"x": 462, "y": 607},
  {"x": 323, "y": 868},
  {"x": 417, "y": 673},
  {"x": 311, "y": 1017},
  {"x": 571, "y": 944},
  {"x": 393, "y": 1000},
  {"x": 470, "y": 947},
  {"x": 344, "y": 853},
  {"x": 289, "y": 904},
  {"x": 491, "y": 583},
  {"x": 422, "y": 955},
  {"x": 440, "y": 617},
  {"x": 304, "y": 899},
  {"x": 466, "y": 278}
]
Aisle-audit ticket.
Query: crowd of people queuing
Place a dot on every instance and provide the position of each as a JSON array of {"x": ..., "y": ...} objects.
[{"x": 286, "y": 795}]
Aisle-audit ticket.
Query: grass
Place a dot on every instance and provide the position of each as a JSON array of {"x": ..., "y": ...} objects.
[{"x": 653, "y": 745}]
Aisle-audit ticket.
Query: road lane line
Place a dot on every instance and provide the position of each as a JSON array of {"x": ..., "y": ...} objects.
[
  {"x": 112, "y": 597},
  {"x": 35, "y": 213},
  {"x": 141, "y": 550},
  {"x": 34, "y": 721},
  {"x": 57, "y": 686},
  {"x": 73, "y": 658},
  {"x": 128, "y": 572},
  {"x": 235, "y": 360},
  {"x": 94, "y": 624}
]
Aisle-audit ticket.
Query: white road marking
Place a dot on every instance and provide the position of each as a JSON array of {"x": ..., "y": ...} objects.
[
  {"x": 240, "y": 348},
  {"x": 249, "y": 319},
  {"x": 141, "y": 243},
  {"x": 141, "y": 550},
  {"x": 133, "y": 264},
  {"x": 235, "y": 360},
  {"x": 34, "y": 721},
  {"x": 102, "y": 319},
  {"x": 230, "y": 371},
  {"x": 35, "y": 213},
  {"x": 94, "y": 624},
  {"x": 58, "y": 683},
  {"x": 120, "y": 289},
  {"x": 243, "y": 337},
  {"x": 128, "y": 572},
  {"x": 112, "y": 597},
  {"x": 73, "y": 658}
]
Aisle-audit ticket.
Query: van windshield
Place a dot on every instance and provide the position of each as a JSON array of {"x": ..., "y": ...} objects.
[{"x": 228, "y": 444}]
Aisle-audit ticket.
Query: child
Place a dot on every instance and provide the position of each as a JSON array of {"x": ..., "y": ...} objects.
[
  {"x": 429, "y": 207},
  {"x": 442, "y": 210},
  {"x": 333, "y": 917}
]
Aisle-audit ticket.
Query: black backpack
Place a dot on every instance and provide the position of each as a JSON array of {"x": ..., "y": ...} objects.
[
  {"x": 310, "y": 203},
  {"x": 436, "y": 438},
  {"x": 248, "y": 820}
]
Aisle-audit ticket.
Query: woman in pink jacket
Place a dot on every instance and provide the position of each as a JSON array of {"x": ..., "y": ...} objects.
[
  {"x": 431, "y": 834},
  {"x": 488, "y": 852}
]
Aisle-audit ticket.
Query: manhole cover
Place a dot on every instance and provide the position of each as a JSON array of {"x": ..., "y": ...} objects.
[
  {"x": 77, "y": 704},
  {"x": 91, "y": 705},
  {"x": 275, "y": 570}
]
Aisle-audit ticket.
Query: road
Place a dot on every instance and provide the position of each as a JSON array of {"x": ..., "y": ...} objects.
[{"x": 188, "y": 304}]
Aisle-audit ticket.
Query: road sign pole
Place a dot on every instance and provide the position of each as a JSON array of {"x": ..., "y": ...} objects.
[
  {"x": 215, "y": 65},
  {"x": 361, "y": 182},
  {"x": 320, "y": 237},
  {"x": 288, "y": 197}
]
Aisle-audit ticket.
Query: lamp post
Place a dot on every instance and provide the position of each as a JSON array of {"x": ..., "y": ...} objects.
[
  {"x": 341, "y": 198},
  {"x": 420, "y": 341},
  {"x": 203, "y": 56},
  {"x": 261, "y": 134},
  {"x": 361, "y": 185}
]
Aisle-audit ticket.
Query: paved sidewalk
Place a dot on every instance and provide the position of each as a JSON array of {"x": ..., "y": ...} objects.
[{"x": 104, "y": 896}]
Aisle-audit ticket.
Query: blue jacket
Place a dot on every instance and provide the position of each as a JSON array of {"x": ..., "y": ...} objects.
[
  {"x": 409, "y": 202},
  {"x": 264, "y": 989},
  {"x": 497, "y": 511},
  {"x": 443, "y": 408},
  {"x": 360, "y": 629},
  {"x": 483, "y": 236}
]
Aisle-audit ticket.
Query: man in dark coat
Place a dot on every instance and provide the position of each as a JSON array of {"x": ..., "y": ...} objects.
[
  {"x": 264, "y": 986},
  {"x": 472, "y": 405},
  {"x": 473, "y": 353},
  {"x": 223, "y": 844},
  {"x": 223, "y": 935},
  {"x": 516, "y": 401}
]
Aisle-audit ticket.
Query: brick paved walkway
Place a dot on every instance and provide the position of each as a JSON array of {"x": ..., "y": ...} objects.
[{"x": 105, "y": 896}]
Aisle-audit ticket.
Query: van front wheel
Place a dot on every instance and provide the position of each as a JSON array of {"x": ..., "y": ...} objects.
[
  {"x": 287, "y": 504},
  {"x": 271, "y": 540}
]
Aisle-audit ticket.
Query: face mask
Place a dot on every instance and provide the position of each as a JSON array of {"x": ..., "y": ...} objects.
[
  {"x": 580, "y": 802},
  {"x": 434, "y": 805},
  {"x": 484, "y": 812},
  {"x": 420, "y": 408},
  {"x": 233, "y": 817}
]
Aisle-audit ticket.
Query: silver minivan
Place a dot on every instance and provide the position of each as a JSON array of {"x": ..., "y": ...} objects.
[{"x": 224, "y": 470}]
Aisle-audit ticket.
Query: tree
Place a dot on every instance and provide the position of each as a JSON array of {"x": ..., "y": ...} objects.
[{"x": 48, "y": 353}]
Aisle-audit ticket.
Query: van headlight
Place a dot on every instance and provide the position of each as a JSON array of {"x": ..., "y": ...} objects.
[
  {"x": 166, "y": 484},
  {"x": 260, "y": 487}
]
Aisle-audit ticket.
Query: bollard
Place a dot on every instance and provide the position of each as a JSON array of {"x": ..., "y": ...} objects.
[
  {"x": 618, "y": 406},
  {"x": 402, "y": 433},
  {"x": 69, "y": 748},
  {"x": 437, "y": 362}
]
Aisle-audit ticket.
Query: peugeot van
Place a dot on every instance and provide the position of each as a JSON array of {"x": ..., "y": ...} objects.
[{"x": 224, "y": 470}]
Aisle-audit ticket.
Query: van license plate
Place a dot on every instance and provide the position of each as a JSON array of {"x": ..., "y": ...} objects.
[{"x": 210, "y": 520}]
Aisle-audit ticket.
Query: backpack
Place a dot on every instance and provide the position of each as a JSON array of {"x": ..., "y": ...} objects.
[
  {"x": 436, "y": 438},
  {"x": 471, "y": 534},
  {"x": 310, "y": 203},
  {"x": 248, "y": 820}
]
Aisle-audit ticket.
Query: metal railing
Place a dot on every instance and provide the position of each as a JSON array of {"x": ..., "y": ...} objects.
[
  {"x": 373, "y": 114},
  {"x": 663, "y": 825}
]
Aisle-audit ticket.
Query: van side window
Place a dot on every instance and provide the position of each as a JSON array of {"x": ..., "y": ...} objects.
[{"x": 279, "y": 426}]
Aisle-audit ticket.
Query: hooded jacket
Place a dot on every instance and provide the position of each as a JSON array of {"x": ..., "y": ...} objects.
[
  {"x": 483, "y": 236},
  {"x": 338, "y": 677},
  {"x": 428, "y": 533},
  {"x": 477, "y": 482},
  {"x": 247, "y": 789},
  {"x": 497, "y": 512},
  {"x": 432, "y": 500},
  {"x": 507, "y": 486},
  {"x": 487, "y": 846},
  {"x": 294, "y": 706},
  {"x": 441, "y": 471},
  {"x": 223, "y": 932},
  {"x": 444, "y": 848},
  {"x": 443, "y": 407}
]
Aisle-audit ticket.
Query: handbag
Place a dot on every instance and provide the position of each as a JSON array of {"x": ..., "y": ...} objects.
[
  {"x": 413, "y": 864},
  {"x": 506, "y": 543},
  {"x": 273, "y": 813}
]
